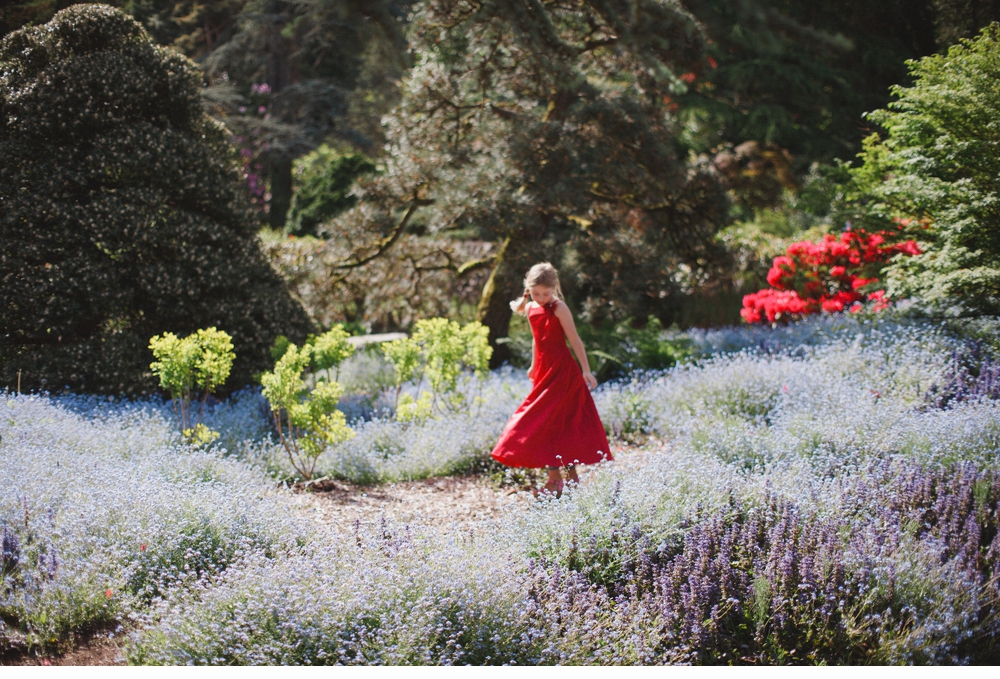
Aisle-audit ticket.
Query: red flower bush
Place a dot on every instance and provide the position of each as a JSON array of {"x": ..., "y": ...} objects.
[{"x": 832, "y": 275}]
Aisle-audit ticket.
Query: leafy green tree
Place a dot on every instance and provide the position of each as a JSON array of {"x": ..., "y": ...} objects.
[
  {"x": 543, "y": 128},
  {"x": 324, "y": 180},
  {"x": 121, "y": 212},
  {"x": 937, "y": 171},
  {"x": 798, "y": 74},
  {"x": 957, "y": 19},
  {"x": 194, "y": 27},
  {"x": 311, "y": 55}
]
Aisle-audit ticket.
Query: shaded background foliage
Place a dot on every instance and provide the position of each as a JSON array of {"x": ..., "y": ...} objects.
[
  {"x": 490, "y": 119},
  {"x": 936, "y": 168},
  {"x": 122, "y": 213}
]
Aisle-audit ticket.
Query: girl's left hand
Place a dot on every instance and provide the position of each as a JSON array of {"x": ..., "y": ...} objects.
[{"x": 591, "y": 381}]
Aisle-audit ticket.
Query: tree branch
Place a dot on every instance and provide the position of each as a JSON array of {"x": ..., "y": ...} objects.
[
  {"x": 387, "y": 242},
  {"x": 629, "y": 203}
]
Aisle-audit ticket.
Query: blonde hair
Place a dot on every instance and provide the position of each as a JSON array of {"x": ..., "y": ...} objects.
[{"x": 540, "y": 274}]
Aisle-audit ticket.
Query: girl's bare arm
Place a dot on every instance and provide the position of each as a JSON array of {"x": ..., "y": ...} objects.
[{"x": 569, "y": 327}]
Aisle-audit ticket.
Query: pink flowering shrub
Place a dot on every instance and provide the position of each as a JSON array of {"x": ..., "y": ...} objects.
[{"x": 835, "y": 274}]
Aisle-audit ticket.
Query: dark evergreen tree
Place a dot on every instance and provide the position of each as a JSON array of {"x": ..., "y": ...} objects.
[
  {"x": 798, "y": 75},
  {"x": 325, "y": 179},
  {"x": 121, "y": 212},
  {"x": 957, "y": 19},
  {"x": 312, "y": 55},
  {"x": 195, "y": 27}
]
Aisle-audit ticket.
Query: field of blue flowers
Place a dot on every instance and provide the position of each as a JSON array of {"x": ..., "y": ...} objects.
[{"x": 821, "y": 493}]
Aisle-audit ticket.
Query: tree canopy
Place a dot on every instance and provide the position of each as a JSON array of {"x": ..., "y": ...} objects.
[
  {"x": 122, "y": 214},
  {"x": 546, "y": 128}
]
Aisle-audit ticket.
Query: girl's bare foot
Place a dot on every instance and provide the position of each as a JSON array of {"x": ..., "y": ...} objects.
[
  {"x": 553, "y": 487},
  {"x": 571, "y": 476}
]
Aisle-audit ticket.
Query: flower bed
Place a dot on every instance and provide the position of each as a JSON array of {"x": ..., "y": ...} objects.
[{"x": 808, "y": 497}]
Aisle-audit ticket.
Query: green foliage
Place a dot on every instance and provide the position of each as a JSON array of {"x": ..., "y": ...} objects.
[
  {"x": 307, "y": 421},
  {"x": 957, "y": 19},
  {"x": 417, "y": 410},
  {"x": 799, "y": 215},
  {"x": 617, "y": 349},
  {"x": 280, "y": 346},
  {"x": 798, "y": 74},
  {"x": 123, "y": 214},
  {"x": 316, "y": 60},
  {"x": 324, "y": 180},
  {"x": 937, "y": 171},
  {"x": 331, "y": 349},
  {"x": 201, "y": 361},
  {"x": 405, "y": 358},
  {"x": 440, "y": 351},
  {"x": 545, "y": 129}
]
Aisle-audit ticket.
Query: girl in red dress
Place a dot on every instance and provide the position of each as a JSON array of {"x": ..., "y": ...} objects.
[{"x": 557, "y": 425}]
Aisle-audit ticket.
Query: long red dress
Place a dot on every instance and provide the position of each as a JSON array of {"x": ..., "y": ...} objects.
[{"x": 558, "y": 423}]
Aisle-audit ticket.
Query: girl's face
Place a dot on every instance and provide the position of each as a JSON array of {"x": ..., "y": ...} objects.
[{"x": 541, "y": 294}]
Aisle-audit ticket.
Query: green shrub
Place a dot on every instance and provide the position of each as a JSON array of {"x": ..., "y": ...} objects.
[
  {"x": 937, "y": 172},
  {"x": 122, "y": 212},
  {"x": 201, "y": 360},
  {"x": 324, "y": 180},
  {"x": 331, "y": 349},
  {"x": 615, "y": 350},
  {"x": 439, "y": 351},
  {"x": 307, "y": 421}
]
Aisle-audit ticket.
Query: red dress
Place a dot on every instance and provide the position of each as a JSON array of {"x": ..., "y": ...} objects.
[{"x": 558, "y": 423}]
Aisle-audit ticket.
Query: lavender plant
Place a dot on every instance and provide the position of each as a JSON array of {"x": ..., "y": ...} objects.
[{"x": 973, "y": 373}]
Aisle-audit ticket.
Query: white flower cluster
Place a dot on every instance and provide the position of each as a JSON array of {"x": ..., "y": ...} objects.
[
  {"x": 806, "y": 486},
  {"x": 386, "y": 450},
  {"x": 102, "y": 509}
]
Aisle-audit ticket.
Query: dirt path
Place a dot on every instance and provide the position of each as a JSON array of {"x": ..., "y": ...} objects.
[
  {"x": 98, "y": 650},
  {"x": 444, "y": 502}
]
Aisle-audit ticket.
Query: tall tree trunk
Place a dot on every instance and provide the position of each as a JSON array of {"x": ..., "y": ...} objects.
[
  {"x": 503, "y": 285},
  {"x": 494, "y": 305},
  {"x": 281, "y": 191},
  {"x": 280, "y": 75}
]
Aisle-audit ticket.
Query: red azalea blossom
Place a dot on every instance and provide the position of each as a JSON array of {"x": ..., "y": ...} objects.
[
  {"x": 826, "y": 276},
  {"x": 108, "y": 594},
  {"x": 689, "y": 77},
  {"x": 142, "y": 548}
]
